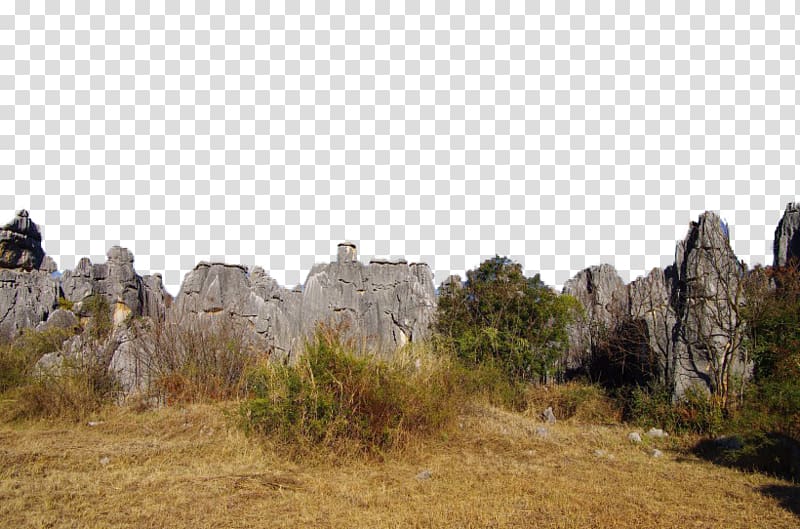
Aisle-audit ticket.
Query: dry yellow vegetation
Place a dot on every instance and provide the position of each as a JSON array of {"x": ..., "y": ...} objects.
[{"x": 193, "y": 468}]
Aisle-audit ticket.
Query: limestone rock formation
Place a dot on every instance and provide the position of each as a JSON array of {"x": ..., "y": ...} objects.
[
  {"x": 127, "y": 292},
  {"x": 708, "y": 302},
  {"x": 601, "y": 291},
  {"x": 651, "y": 300},
  {"x": 21, "y": 244},
  {"x": 681, "y": 323},
  {"x": 604, "y": 297},
  {"x": 26, "y": 299},
  {"x": 28, "y": 292},
  {"x": 787, "y": 236},
  {"x": 385, "y": 303}
]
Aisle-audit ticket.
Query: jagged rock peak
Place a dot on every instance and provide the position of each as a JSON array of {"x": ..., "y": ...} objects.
[
  {"x": 787, "y": 236},
  {"x": 21, "y": 245},
  {"x": 23, "y": 225}
]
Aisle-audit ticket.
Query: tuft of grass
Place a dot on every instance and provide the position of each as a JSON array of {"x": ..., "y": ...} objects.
[
  {"x": 576, "y": 401},
  {"x": 334, "y": 399}
]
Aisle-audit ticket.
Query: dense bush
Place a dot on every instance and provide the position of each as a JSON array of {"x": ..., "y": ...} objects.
[
  {"x": 500, "y": 317},
  {"x": 332, "y": 398},
  {"x": 695, "y": 412},
  {"x": 772, "y": 402}
]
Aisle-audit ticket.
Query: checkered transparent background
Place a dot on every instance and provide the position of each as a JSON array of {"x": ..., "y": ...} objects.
[{"x": 562, "y": 134}]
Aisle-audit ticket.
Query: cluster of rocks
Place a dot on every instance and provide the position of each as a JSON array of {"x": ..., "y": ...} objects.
[
  {"x": 383, "y": 304},
  {"x": 683, "y": 321},
  {"x": 687, "y": 315}
]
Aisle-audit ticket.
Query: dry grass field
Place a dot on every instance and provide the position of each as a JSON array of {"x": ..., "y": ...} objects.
[{"x": 194, "y": 468}]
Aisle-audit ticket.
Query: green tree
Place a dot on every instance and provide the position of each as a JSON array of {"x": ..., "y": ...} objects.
[{"x": 500, "y": 316}]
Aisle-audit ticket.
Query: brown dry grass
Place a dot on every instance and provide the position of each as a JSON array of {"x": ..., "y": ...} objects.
[{"x": 192, "y": 468}]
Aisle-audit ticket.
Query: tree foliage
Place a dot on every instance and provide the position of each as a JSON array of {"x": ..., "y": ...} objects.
[{"x": 500, "y": 316}]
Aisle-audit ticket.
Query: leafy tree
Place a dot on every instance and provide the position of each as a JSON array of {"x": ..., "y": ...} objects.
[
  {"x": 773, "y": 317},
  {"x": 499, "y": 316}
]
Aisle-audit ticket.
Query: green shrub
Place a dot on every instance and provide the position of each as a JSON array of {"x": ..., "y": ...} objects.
[
  {"x": 695, "y": 412},
  {"x": 99, "y": 310},
  {"x": 332, "y": 398},
  {"x": 502, "y": 318},
  {"x": 65, "y": 304}
]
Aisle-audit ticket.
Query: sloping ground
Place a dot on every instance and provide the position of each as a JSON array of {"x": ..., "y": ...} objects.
[{"x": 191, "y": 468}]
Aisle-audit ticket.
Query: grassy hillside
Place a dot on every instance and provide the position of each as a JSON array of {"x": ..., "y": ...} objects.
[{"x": 193, "y": 467}]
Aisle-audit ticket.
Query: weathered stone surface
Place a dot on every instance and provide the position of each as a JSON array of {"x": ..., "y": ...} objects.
[
  {"x": 786, "y": 244},
  {"x": 601, "y": 291},
  {"x": 604, "y": 297},
  {"x": 21, "y": 244},
  {"x": 127, "y": 292},
  {"x": 707, "y": 301},
  {"x": 385, "y": 303},
  {"x": 682, "y": 322},
  {"x": 651, "y": 303},
  {"x": 60, "y": 319},
  {"x": 26, "y": 299}
]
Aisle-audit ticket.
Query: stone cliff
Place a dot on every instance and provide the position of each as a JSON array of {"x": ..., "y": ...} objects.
[{"x": 385, "y": 304}]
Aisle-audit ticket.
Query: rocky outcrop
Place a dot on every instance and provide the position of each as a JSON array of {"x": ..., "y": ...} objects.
[
  {"x": 26, "y": 299},
  {"x": 604, "y": 297},
  {"x": 787, "y": 236},
  {"x": 28, "y": 291},
  {"x": 681, "y": 324},
  {"x": 21, "y": 245},
  {"x": 385, "y": 303},
  {"x": 127, "y": 292},
  {"x": 601, "y": 291}
]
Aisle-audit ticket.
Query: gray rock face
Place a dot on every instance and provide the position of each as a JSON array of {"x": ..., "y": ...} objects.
[
  {"x": 683, "y": 320},
  {"x": 604, "y": 297},
  {"x": 385, "y": 304},
  {"x": 651, "y": 303},
  {"x": 28, "y": 292},
  {"x": 60, "y": 319},
  {"x": 787, "y": 236},
  {"x": 127, "y": 292},
  {"x": 710, "y": 334},
  {"x": 26, "y": 299}
]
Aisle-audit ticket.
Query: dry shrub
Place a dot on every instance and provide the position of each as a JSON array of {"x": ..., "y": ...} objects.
[
  {"x": 19, "y": 356},
  {"x": 333, "y": 398},
  {"x": 196, "y": 360},
  {"x": 582, "y": 402},
  {"x": 72, "y": 391}
]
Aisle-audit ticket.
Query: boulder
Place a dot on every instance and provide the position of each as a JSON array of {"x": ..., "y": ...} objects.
[
  {"x": 21, "y": 244},
  {"x": 59, "y": 319},
  {"x": 786, "y": 244}
]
